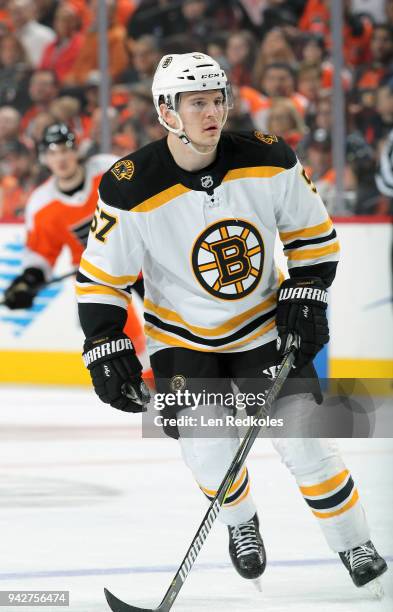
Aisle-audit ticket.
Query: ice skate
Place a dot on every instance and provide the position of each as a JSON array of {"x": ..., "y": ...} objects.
[
  {"x": 365, "y": 565},
  {"x": 247, "y": 550}
]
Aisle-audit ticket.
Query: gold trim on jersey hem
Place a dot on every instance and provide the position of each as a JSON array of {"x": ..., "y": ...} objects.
[
  {"x": 171, "y": 315},
  {"x": 307, "y": 232},
  {"x": 297, "y": 255},
  {"x": 252, "y": 172},
  {"x": 101, "y": 290},
  {"x": 161, "y": 198},
  {"x": 165, "y": 338},
  {"x": 104, "y": 276}
]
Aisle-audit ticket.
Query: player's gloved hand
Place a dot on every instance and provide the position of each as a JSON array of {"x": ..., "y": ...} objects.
[
  {"x": 301, "y": 311},
  {"x": 24, "y": 288},
  {"x": 116, "y": 372}
]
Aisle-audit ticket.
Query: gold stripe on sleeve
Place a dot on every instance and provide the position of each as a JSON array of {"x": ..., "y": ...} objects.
[
  {"x": 296, "y": 255},
  {"x": 307, "y": 232},
  {"x": 104, "y": 276},
  {"x": 100, "y": 290}
]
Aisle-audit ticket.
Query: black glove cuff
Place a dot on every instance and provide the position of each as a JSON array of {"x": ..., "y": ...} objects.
[
  {"x": 104, "y": 348},
  {"x": 309, "y": 290}
]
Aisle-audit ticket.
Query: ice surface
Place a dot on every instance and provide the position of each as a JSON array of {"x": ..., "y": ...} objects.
[{"x": 87, "y": 503}]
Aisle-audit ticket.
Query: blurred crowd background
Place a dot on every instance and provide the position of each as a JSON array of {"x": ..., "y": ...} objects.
[{"x": 278, "y": 58}]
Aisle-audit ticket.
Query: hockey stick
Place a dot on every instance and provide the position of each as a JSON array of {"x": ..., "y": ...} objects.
[
  {"x": 57, "y": 279},
  {"x": 115, "y": 604}
]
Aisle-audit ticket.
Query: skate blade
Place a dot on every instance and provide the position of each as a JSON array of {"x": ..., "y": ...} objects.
[
  {"x": 375, "y": 588},
  {"x": 258, "y": 584}
]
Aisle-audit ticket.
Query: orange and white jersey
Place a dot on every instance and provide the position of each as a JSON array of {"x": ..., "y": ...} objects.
[
  {"x": 55, "y": 219},
  {"x": 205, "y": 242}
]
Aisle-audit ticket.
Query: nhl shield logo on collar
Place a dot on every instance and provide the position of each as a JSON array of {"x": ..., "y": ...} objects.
[{"x": 207, "y": 181}]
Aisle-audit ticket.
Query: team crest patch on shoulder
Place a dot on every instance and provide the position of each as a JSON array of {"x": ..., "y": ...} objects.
[
  {"x": 123, "y": 169},
  {"x": 266, "y": 138}
]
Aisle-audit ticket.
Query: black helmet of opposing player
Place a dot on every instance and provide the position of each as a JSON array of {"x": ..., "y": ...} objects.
[{"x": 55, "y": 134}]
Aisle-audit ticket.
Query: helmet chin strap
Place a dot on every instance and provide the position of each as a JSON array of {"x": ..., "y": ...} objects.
[{"x": 181, "y": 134}]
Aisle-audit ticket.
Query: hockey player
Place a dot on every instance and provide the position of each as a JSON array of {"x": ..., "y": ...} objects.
[
  {"x": 58, "y": 213},
  {"x": 198, "y": 211}
]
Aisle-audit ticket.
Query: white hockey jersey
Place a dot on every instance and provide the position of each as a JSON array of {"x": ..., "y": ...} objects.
[{"x": 205, "y": 242}]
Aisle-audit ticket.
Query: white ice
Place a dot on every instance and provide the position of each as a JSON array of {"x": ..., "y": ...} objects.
[{"x": 87, "y": 503}]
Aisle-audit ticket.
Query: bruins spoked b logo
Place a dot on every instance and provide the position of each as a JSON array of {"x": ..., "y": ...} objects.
[{"x": 227, "y": 258}]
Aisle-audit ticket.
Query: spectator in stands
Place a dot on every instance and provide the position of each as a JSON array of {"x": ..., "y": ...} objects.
[
  {"x": 357, "y": 29},
  {"x": 384, "y": 176},
  {"x": 145, "y": 54},
  {"x": 313, "y": 53},
  {"x": 67, "y": 109},
  {"x": 124, "y": 143},
  {"x": 19, "y": 171},
  {"x": 284, "y": 120},
  {"x": 280, "y": 80},
  {"x": 91, "y": 146},
  {"x": 157, "y": 18},
  {"x": 309, "y": 82},
  {"x": 15, "y": 72},
  {"x": 244, "y": 114},
  {"x": 87, "y": 60},
  {"x": 384, "y": 107},
  {"x": 389, "y": 11},
  {"x": 91, "y": 92},
  {"x": 195, "y": 20},
  {"x": 9, "y": 126},
  {"x": 240, "y": 53},
  {"x": 275, "y": 48},
  {"x": 319, "y": 167},
  {"x": 5, "y": 17},
  {"x": 153, "y": 130},
  {"x": 139, "y": 105},
  {"x": 45, "y": 11},
  {"x": 324, "y": 114},
  {"x": 33, "y": 35},
  {"x": 38, "y": 126},
  {"x": 370, "y": 75},
  {"x": 216, "y": 48},
  {"x": 60, "y": 55},
  {"x": 43, "y": 89}
]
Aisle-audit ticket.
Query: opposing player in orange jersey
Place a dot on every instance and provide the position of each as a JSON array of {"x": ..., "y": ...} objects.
[{"x": 58, "y": 212}]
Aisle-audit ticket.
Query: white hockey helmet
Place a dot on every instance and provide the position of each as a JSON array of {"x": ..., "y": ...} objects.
[{"x": 179, "y": 73}]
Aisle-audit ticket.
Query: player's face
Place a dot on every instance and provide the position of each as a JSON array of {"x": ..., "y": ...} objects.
[
  {"x": 62, "y": 161},
  {"x": 203, "y": 114}
]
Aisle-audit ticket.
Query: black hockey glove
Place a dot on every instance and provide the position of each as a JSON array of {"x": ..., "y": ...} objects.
[
  {"x": 301, "y": 311},
  {"x": 24, "y": 288},
  {"x": 116, "y": 372}
]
